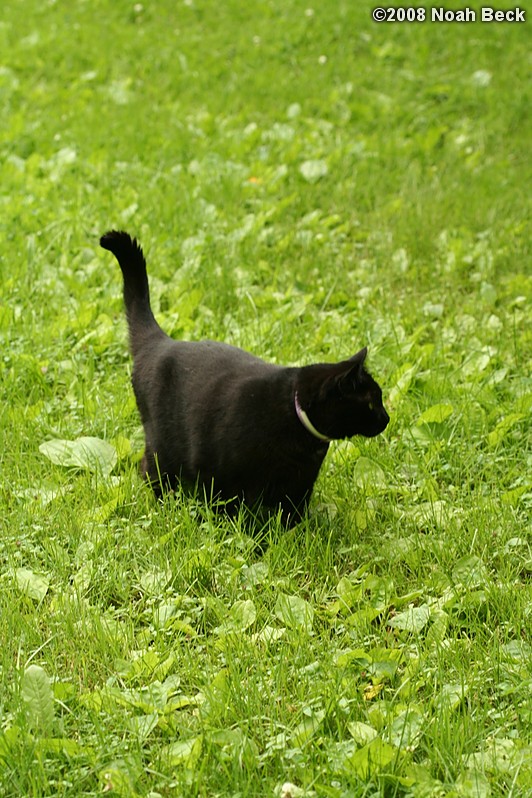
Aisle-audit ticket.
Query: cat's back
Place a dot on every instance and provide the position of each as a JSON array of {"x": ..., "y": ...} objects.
[
  {"x": 198, "y": 367},
  {"x": 207, "y": 354}
]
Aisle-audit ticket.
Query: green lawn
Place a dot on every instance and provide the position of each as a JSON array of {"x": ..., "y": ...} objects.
[{"x": 304, "y": 182}]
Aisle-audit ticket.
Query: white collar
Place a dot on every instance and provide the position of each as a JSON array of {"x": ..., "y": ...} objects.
[{"x": 307, "y": 423}]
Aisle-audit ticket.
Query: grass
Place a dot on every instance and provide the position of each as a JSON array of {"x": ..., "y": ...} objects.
[{"x": 304, "y": 183}]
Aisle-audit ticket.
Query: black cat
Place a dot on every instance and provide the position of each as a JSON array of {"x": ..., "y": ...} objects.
[{"x": 221, "y": 418}]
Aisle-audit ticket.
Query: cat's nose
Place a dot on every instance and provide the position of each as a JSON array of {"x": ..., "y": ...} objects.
[{"x": 385, "y": 418}]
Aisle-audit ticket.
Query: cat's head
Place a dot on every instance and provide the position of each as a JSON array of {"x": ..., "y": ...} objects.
[{"x": 342, "y": 399}]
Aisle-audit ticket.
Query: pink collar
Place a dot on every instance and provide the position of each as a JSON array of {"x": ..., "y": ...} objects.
[{"x": 307, "y": 423}]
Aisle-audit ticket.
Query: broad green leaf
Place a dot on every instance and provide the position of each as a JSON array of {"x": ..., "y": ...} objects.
[
  {"x": 290, "y": 790},
  {"x": 119, "y": 91},
  {"x": 438, "y": 628},
  {"x": 294, "y": 612},
  {"x": 362, "y": 617},
  {"x": 436, "y": 414},
  {"x": 470, "y": 571},
  {"x": 500, "y": 755},
  {"x": 450, "y": 697},
  {"x": 406, "y": 729},
  {"x": 89, "y": 453},
  {"x": 145, "y": 665},
  {"x": 402, "y": 384},
  {"x": 163, "y": 612},
  {"x": 255, "y": 574},
  {"x": 313, "y": 171},
  {"x": 498, "y": 376},
  {"x": 38, "y": 695},
  {"x": 368, "y": 474},
  {"x": 514, "y": 496},
  {"x": 426, "y": 786},
  {"x": 62, "y": 745},
  {"x": 154, "y": 581},
  {"x": 216, "y": 697},
  {"x": 44, "y": 495},
  {"x": 482, "y": 78},
  {"x": 472, "y": 784},
  {"x": 503, "y": 427},
  {"x": 104, "y": 511},
  {"x": 436, "y": 513},
  {"x": 143, "y": 725},
  {"x": 348, "y": 593},
  {"x": 269, "y": 634},
  {"x": 119, "y": 779},
  {"x": 83, "y": 576},
  {"x": 408, "y": 599},
  {"x": 10, "y": 740},
  {"x": 357, "y": 655},
  {"x": 518, "y": 651},
  {"x": 380, "y": 589},
  {"x": 31, "y": 584},
  {"x": 123, "y": 446},
  {"x": 372, "y": 758},
  {"x": 181, "y": 702},
  {"x": 422, "y": 435},
  {"x": 234, "y": 743},
  {"x": 475, "y": 364},
  {"x": 183, "y": 752},
  {"x": 434, "y": 309},
  {"x": 384, "y": 664},
  {"x": 241, "y": 616},
  {"x": 305, "y": 730},
  {"x": 363, "y": 517},
  {"x": 414, "y": 619},
  {"x": 362, "y": 733},
  {"x": 6, "y": 317}
]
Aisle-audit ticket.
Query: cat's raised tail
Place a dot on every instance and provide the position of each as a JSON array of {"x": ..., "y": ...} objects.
[{"x": 130, "y": 257}]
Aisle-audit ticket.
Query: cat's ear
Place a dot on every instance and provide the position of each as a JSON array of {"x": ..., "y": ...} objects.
[
  {"x": 348, "y": 379},
  {"x": 359, "y": 358}
]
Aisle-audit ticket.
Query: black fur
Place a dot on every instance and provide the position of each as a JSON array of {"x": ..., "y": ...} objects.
[{"x": 217, "y": 416}]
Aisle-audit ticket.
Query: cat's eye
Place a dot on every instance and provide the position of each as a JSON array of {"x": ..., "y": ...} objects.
[{"x": 370, "y": 405}]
